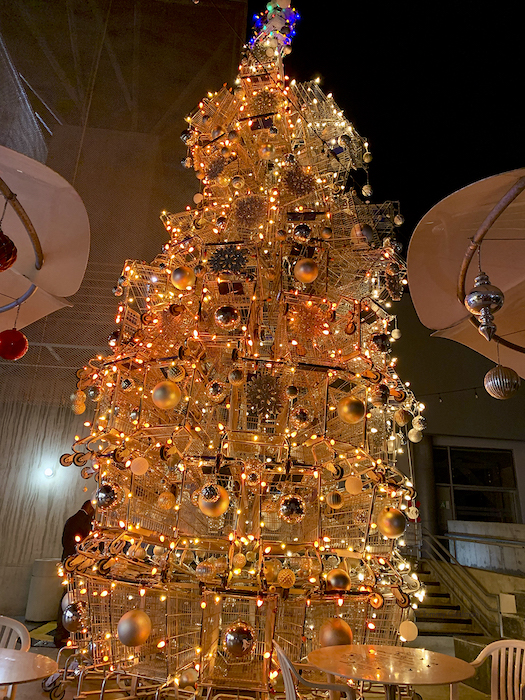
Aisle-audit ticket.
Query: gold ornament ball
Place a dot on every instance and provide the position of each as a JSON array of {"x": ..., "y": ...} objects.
[
  {"x": 402, "y": 417},
  {"x": 306, "y": 270},
  {"x": 351, "y": 409},
  {"x": 272, "y": 521},
  {"x": 239, "y": 560},
  {"x": 166, "y": 395},
  {"x": 391, "y": 522},
  {"x": 353, "y": 485},
  {"x": 334, "y": 500},
  {"x": 285, "y": 578},
  {"x": 188, "y": 678},
  {"x": 272, "y": 567},
  {"x": 326, "y": 233},
  {"x": 334, "y": 632},
  {"x": 78, "y": 408},
  {"x": 139, "y": 466},
  {"x": 134, "y": 628},
  {"x": 408, "y": 630},
  {"x": 183, "y": 277},
  {"x": 166, "y": 500},
  {"x": 216, "y": 508},
  {"x": 338, "y": 580}
]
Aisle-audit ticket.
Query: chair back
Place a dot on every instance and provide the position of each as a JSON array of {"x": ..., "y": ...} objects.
[
  {"x": 13, "y": 634},
  {"x": 288, "y": 672},
  {"x": 507, "y": 673}
]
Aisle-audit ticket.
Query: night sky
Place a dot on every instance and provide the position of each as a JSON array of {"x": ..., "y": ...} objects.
[{"x": 437, "y": 90}]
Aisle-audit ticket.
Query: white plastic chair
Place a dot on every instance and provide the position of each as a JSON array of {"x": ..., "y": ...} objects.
[
  {"x": 289, "y": 673},
  {"x": 13, "y": 635},
  {"x": 507, "y": 673}
]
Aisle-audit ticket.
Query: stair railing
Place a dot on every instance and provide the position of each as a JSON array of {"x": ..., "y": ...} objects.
[{"x": 463, "y": 584}]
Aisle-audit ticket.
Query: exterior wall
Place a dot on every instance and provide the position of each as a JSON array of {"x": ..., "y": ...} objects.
[{"x": 495, "y": 557}]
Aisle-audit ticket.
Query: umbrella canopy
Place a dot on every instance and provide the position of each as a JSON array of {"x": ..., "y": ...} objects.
[
  {"x": 436, "y": 256},
  {"x": 49, "y": 225}
]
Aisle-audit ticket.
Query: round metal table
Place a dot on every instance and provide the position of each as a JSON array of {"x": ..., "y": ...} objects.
[
  {"x": 22, "y": 667},
  {"x": 392, "y": 666}
]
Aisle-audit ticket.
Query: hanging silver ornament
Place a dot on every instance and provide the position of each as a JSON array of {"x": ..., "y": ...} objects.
[
  {"x": 236, "y": 377},
  {"x": 415, "y": 435},
  {"x": 419, "y": 423},
  {"x": 302, "y": 233},
  {"x": 483, "y": 300},
  {"x": 501, "y": 382},
  {"x": 210, "y": 492},
  {"x": 108, "y": 496}
]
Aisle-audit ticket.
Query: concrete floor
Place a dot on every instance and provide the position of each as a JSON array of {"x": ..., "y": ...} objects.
[{"x": 33, "y": 691}]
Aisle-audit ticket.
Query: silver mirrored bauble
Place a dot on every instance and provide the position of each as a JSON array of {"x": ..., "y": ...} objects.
[
  {"x": 415, "y": 435},
  {"x": 501, "y": 382},
  {"x": 217, "y": 391},
  {"x": 236, "y": 377},
  {"x": 300, "y": 418},
  {"x": 227, "y": 317},
  {"x": 292, "y": 508},
  {"x": 107, "y": 496},
  {"x": 210, "y": 492},
  {"x": 183, "y": 277},
  {"x": 72, "y": 617},
  {"x": 239, "y": 640},
  {"x": 484, "y": 296}
]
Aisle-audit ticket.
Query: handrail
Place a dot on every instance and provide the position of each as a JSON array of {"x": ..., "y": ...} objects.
[
  {"x": 466, "y": 583},
  {"x": 481, "y": 539}
]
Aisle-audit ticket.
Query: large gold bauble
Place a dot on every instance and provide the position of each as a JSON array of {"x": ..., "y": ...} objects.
[
  {"x": 134, "y": 628},
  {"x": 334, "y": 632},
  {"x": 351, "y": 409},
  {"x": 353, "y": 485},
  {"x": 188, "y": 678},
  {"x": 285, "y": 578},
  {"x": 139, "y": 466},
  {"x": 239, "y": 640},
  {"x": 306, "y": 270},
  {"x": 391, "y": 522},
  {"x": 338, "y": 580},
  {"x": 214, "y": 509},
  {"x": 183, "y": 277},
  {"x": 166, "y": 395}
]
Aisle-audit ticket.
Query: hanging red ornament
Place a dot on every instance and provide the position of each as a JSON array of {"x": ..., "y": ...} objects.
[
  {"x": 13, "y": 344},
  {"x": 8, "y": 252}
]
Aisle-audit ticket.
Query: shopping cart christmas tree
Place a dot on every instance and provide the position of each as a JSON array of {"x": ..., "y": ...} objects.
[{"x": 249, "y": 415}]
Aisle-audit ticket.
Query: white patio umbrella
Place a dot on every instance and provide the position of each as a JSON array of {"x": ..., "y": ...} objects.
[
  {"x": 47, "y": 221},
  {"x": 442, "y": 264}
]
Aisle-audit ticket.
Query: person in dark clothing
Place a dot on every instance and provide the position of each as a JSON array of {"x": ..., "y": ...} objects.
[{"x": 76, "y": 529}]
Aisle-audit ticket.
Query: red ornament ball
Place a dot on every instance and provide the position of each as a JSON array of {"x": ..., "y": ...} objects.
[
  {"x": 13, "y": 344},
  {"x": 8, "y": 252}
]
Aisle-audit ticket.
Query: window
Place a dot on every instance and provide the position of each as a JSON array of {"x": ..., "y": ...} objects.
[{"x": 475, "y": 484}]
